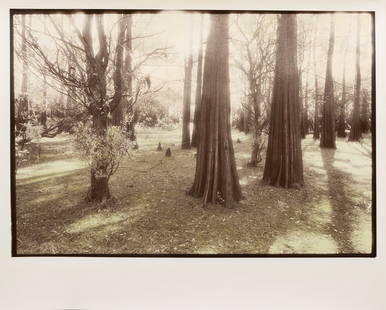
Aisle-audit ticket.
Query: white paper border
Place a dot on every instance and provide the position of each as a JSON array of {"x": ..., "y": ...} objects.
[{"x": 192, "y": 283}]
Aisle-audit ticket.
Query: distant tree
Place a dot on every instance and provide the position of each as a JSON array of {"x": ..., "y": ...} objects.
[
  {"x": 356, "y": 131},
  {"x": 196, "y": 121},
  {"x": 284, "y": 163},
  {"x": 316, "y": 133},
  {"x": 327, "y": 139},
  {"x": 256, "y": 63},
  {"x": 185, "y": 144},
  {"x": 341, "y": 130},
  {"x": 216, "y": 179},
  {"x": 365, "y": 117}
]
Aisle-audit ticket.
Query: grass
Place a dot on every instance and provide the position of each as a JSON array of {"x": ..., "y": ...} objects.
[{"x": 153, "y": 215}]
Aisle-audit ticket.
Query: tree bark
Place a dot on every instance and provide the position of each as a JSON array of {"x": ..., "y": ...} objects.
[
  {"x": 327, "y": 139},
  {"x": 216, "y": 179},
  {"x": 284, "y": 163},
  {"x": 196, "y": 121},
  {"x": 185, "y": 144},
  {"x": 356, "y": 131},
  {"x": 96, "y": 66}
]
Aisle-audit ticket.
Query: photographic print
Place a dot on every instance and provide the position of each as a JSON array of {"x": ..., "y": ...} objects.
[{"x": 192, "y": 133}]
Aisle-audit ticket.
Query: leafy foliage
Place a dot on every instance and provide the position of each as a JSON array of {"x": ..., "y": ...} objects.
[{"x": 103, "y": 153}]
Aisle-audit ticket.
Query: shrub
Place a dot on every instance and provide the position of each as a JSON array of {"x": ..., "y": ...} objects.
[{"x": 103, "y": 153}]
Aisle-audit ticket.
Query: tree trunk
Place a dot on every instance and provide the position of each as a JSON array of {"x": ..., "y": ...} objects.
[
  {"x": 284, "y": 163},
  {"x": 305, "y": 112},
  {"x": 365, "y": 113},
  {"x": 96, "y": 66},
  {"x": 216, "y": 178},
  {"x": 302, "y": 108},
  {"x": 256, "y": 125},
  {"x": 327, "y": 139},
  {"x": 341, "y": 131},
  {"x": 356, "y": 132},
  {"x": 316, "y": 134},
  {"x": 23, "y": 104},
  {"x": 196, "y": 121},
  {"x": 117, "y": 112},
  {"x": 43, "y": 115},
  {"x": 131, "y": 114},
  {"x": 187, "y": 98}
]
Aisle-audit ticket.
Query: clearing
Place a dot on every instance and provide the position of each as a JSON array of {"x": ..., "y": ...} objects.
[{"x": 153, "y": 215}]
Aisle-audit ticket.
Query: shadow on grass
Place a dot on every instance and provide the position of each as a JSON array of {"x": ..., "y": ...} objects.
[{"x": 343, "y": 216}]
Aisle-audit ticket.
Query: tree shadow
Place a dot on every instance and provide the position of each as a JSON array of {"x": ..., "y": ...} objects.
[{"x": 343, "y": 214}]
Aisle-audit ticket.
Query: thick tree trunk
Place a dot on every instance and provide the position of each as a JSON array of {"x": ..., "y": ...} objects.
[
  {"x": 99, "y": 188},
  {"x": 327, "y": 139},
  {"x": 356, "y": 131},
  {"x": 185, "y": 144},
  {"x": 196, "y": 121},
  {"x": 96, "y": 67},
  {"x": 216, "y": 178},
  {"x": 284, "y": 163}
]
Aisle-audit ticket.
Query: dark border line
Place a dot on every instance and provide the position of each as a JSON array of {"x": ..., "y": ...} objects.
[{"x": 134, "y": 255}]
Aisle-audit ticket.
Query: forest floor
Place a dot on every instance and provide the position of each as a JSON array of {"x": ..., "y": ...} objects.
[{"x": 153, "y": 215}]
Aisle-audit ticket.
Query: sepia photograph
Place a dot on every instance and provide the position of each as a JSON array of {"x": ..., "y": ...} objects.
[{"x": 192, "y": 133}]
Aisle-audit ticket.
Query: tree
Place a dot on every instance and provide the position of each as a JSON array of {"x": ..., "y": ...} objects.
[
  {"x": 341, "y": 130},
  {"x": 216, "y": 179},
  {"x": 356, "y": 131},
  {"x": 196, "y": 121},
  {"x": 255, "y": 62},
  {"x": 117, "y": 115},
  {"x": 327, "y": 139},
  {"x": 185, "y": 144},
  {"x": 284, "y": 163},
  {"x": 316, "y": 133},
  {"x": 365, "y": 112}
]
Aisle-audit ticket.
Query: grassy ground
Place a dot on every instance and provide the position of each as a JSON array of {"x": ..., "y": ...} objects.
[{"x": 152, "y": 214}]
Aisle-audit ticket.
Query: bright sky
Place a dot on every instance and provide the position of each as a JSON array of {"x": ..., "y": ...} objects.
[{"x": 174, "y": 29}]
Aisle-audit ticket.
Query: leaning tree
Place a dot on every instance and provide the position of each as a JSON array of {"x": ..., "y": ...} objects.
[
  {"x": 216, "y": 179},
  {"x": 284, "y": 163}
]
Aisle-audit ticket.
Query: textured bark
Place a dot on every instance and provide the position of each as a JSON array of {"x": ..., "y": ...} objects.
[
  {"x": 96, "y": 66},
  {"x": 284, "y": 163},
  {"x": 185, "y": 144},
  {"x": 327, "y": 139},
  {"x": 216, "y": 179},
  {"x": 356, "y": 131},
  {"x": 196, "y": 121}
]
